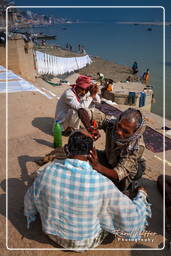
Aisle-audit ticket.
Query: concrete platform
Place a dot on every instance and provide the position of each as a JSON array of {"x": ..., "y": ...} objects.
[
  {"x": 30, "y": 118},
  {"x": 120, "y": 94}
]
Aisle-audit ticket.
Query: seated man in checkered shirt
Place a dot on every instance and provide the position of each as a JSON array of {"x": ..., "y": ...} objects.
[{"x": 78, "y": 206}]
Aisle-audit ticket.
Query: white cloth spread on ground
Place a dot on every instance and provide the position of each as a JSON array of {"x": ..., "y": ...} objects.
[
  {"x": 16, "y": 86},
  {"x": 9, "y": 75},
  {"x": 49, "y": 64},
  {"x": 2, "y": 69}
]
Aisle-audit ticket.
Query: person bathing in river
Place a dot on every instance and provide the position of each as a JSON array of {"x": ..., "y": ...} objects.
[{"x": 135, "y": 68}]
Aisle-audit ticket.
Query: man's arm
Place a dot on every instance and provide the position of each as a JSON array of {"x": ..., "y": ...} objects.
[
  {"x": 109, "y": 173},
  {"x": 96, "y": 99},
  {"x": 72, "y": 101},
  {"x": 127, "y": 166},
  {"x": 106, "y": 124},
  {"x": 91, "y": 96},
  {"x": 130, "y": 216},
  {"x": 84, "y": 117},
  {"x": 30, "y": 210}
]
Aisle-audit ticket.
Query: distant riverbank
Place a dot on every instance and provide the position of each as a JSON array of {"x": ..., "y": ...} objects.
[{"x": 145, "y": 23}]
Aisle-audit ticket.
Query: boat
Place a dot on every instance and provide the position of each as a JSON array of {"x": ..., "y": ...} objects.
[
  {"x": 149, "y": 29},
  {"x": 46, "y": 37},
  {"x": 39, "y": 36}
]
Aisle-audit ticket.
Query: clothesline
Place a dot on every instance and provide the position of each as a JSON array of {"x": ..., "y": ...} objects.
[{"x": 49, "y": 64}]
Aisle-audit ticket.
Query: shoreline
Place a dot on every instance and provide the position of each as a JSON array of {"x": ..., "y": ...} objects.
[
  {"x": 110, "y": 69},
  {"x": 27, "y": 25},
  {"x": 31, "y": 117},
  {"x": 167, "y": 23},
  {"x": 32, "y": 139}
]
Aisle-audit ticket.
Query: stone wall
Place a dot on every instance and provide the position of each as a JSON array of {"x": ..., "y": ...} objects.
[
  {"x": 20, "y": 58},
  {"x": 122, "y": 99}
]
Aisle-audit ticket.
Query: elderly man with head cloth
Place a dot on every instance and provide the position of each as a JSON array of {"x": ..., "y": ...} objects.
[
  {"x": 82, "y": 96},
  {"x": 122, "y": 161}
]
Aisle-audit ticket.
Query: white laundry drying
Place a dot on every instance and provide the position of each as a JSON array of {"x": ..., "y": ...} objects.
[{"x": 49, "y": 64}]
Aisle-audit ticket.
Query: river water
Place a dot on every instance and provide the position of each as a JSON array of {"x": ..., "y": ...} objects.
[{"x": 123, "y": 44}]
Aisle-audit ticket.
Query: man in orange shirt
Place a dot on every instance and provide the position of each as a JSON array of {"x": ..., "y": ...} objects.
[{"x": 146, "y": 76}]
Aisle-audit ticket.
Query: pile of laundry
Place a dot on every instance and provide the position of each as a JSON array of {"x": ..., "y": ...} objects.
[{"x": 49, "y": 64}]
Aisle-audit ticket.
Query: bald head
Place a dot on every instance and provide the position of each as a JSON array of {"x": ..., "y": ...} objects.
[
  {"x": 132, "y": 116},
  {"x": 128, "y": 123}
]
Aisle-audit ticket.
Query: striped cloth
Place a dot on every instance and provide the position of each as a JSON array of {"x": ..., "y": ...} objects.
[{"x": 77, "y": 203}]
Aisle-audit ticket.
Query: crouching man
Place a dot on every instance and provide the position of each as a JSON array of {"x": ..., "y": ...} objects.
[
  {"x": 122, "y": 161},
  {"x": 82, "y": 95},
  {"x": 78, "y": 206}
]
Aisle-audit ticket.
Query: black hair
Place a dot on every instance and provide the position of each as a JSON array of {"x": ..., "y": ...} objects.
[
  {"x": 109, "y": 81},
  {"x": 78, "y": 144}
]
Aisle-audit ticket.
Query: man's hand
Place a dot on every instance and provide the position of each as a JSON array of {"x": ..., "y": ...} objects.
[
  {"x": 93, "y": 90},
  {"x": 95, "y": 134},
  {"x": 140, "y": 188},
  {"x": 93, "y": 155},
  {"x": 110, "y": 173},
  {"x": 85, "y": 132},
  {"x": 93, "y": 159}
]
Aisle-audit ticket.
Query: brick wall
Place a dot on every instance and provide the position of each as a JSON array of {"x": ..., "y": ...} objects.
[{"x": 20, "y": 58}]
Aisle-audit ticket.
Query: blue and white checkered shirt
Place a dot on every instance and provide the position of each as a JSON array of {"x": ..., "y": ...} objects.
[{"x": 76, "y": 202}]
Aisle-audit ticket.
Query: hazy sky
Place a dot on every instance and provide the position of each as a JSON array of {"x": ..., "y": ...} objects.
[{"x": 126, "y": 14}]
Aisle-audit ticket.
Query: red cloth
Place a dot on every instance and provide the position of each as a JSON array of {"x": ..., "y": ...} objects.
[{"x": 83, "y": 82}]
